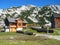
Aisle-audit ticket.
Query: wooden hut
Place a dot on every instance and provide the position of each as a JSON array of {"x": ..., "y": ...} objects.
[
  {"x": 55, "y": 20},
  {"x": 15, "y": 24}
]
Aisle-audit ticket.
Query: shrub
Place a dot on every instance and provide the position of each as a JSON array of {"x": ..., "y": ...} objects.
[
  {"x": 29, "y": 33},
  {"x": 20, "y": 32}
]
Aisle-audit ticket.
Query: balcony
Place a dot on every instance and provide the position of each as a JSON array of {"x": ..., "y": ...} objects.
[{"x": 12, "y": 25}]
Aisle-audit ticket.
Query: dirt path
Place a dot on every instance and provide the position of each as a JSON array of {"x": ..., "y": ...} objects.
[{"x": 49, "y": 36}]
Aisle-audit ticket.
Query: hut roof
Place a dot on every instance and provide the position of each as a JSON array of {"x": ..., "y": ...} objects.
[
  {"x": 13, "y": 20},
  {"x": 56, "y": 15}
]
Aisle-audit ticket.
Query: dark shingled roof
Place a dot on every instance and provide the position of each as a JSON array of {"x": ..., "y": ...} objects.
[
  {"x": 56, "y": 15},
  {"x": 13, "y": 20}
]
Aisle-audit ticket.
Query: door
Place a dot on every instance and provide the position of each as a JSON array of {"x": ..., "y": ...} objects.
[{"x": 12, "y": 29}]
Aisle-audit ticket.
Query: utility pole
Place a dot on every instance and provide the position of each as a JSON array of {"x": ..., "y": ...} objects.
[{"x": 47, "y": 29}]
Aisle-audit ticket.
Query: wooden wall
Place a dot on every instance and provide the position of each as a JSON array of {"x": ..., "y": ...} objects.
[
  {"x": 57, "y": 22},
  {"x": 12, "y": 27},
  {"x": 19, "y": 23}
]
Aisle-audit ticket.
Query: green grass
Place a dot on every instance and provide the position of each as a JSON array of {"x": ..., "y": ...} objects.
[
  {"x": 31, "y": 30},
  {"x": 21, "y": 39},
  {"x": 18, "y": 42},
  {"x": 56, "y": 31},
  {"x": 8, "y": 33}
]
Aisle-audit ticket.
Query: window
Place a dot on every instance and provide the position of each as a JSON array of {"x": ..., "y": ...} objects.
[
  {"x": 19, "y": 24},
  {"x": 24, "y": 24}
]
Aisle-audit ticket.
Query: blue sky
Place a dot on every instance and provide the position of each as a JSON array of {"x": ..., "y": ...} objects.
[{"x": 10, "y": 3}]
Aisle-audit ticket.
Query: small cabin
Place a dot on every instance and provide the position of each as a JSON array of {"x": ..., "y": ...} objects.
[
  {"x": 13, "y": 24},
  {"x": 55, "y": 20}
]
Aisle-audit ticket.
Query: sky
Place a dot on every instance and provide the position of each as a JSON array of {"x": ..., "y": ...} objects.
[{"x": 10, "y": 3}]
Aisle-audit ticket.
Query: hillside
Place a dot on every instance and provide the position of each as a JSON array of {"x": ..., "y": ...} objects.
[{"x": 31, "y": 13}]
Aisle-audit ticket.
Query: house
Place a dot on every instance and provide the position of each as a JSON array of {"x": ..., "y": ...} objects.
[
  {"x": 55, "y": 20},
  {"x": 13, "y": 24}
]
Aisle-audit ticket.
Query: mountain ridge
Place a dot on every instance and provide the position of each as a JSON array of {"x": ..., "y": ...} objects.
[{"x": 30, "y": 12}]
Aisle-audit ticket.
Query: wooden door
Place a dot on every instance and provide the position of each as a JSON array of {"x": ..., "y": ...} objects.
[
  {"x": 57, "y": 22},
  {"x": 12, "y": 29}
]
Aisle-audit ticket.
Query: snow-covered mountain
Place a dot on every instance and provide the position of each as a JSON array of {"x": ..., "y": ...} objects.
[
  {"x": 55, "y": 8},
  {"x": 30, "y": 12}
]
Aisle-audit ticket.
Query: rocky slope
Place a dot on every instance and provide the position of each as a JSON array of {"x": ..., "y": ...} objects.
[{"x": 31, "y": 13}]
